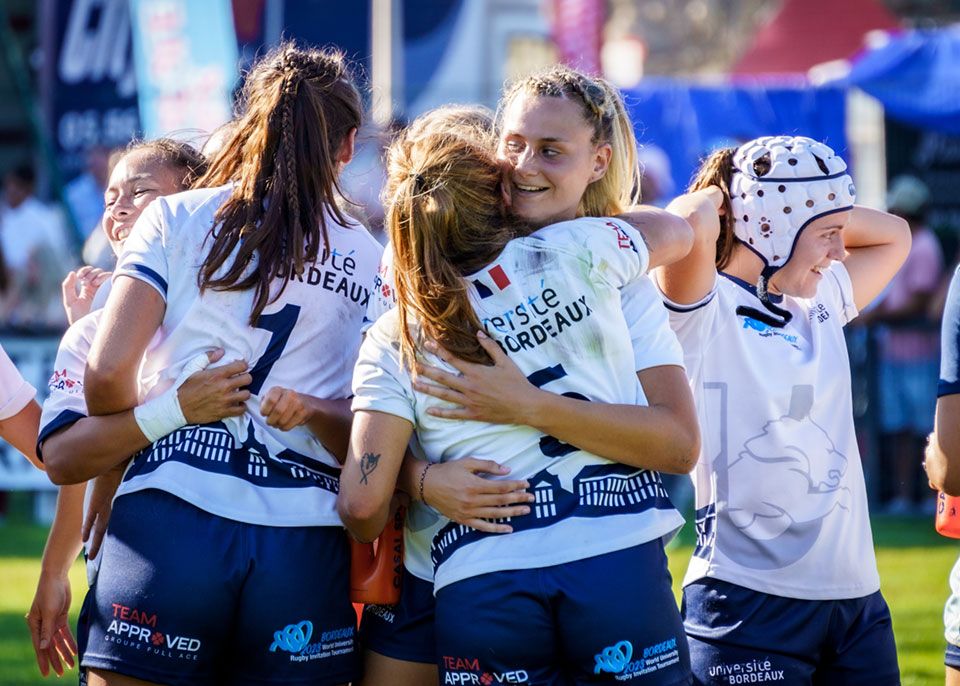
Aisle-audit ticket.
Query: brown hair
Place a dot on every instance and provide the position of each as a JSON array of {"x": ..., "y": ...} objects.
[
  {"x": 181, "y": 156},
  {"x": 298, "y": 106},
  {"x": 717, "y": 170},
  {"x": 444, "y": 217},
  {"x": 603, "y": 109}
]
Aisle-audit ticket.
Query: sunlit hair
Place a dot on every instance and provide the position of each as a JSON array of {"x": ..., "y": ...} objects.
[
  {"x": 297, "y": 108},
  {"x": 603, "y": 110},
  {"x": 182, "y": 158},
  {"x": 474, "y": 122},
  {"x": 445, "y": 220}
]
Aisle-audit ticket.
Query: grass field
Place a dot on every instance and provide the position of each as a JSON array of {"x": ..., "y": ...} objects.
[{"x": 914, "y": 564}]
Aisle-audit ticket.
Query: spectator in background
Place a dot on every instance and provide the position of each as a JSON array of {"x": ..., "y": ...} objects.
[
  {"x": 908, "y": 348},
  {"x": 656, "y": 184},
  {"x": 84, "y": 195},
  {"x": 35, "y": 252}
]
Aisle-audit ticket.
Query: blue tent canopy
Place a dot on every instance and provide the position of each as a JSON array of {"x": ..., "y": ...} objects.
[
  {"x": 688, "y": 121},
  {"x": 917, "y": 78}
]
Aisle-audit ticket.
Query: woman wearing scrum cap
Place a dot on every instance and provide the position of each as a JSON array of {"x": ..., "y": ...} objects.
[{"x": 783, "y": 581}]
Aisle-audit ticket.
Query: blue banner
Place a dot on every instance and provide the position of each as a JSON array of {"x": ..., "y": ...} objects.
[
  {"x": 89, "y": 89},
  {"x": 186, "y": 63}
]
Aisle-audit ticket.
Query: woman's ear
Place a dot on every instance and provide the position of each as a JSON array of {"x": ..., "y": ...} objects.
[
  {"x": 601, "y": 161},
  {"x": 345, "y": 154}
]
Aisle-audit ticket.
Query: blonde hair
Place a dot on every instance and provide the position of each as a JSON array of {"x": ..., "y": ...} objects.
[
  {"x": 445, "y": 220},
  {"x": 603, "y": 109}
]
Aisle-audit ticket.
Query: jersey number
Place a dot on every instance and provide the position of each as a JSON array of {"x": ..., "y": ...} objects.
[
  {"x": 550, "y": 445},
  {"x": 280, "y": 325}
]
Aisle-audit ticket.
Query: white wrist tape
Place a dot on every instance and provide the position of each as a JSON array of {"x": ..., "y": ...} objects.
[{"x": 163, "y": 414}]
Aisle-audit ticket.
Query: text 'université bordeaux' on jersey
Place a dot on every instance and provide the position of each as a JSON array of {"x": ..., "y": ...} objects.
[
  {"x": 551, "y": 301},
  {"x": 307, "y": 340}
]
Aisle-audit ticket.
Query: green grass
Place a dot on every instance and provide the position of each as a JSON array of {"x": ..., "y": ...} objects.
[{"x": 914, "y": 563}]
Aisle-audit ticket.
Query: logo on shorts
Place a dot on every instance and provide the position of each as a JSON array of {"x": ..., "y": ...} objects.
[
  {"x": 292, "y": 638},
  {"x": 136, "y": 629},
  {"x": 613, "y": 659},
  {"x": 295, "y": 639},
  {"x": 463, "y": 671},
  {"x": 618, "y": 659}
]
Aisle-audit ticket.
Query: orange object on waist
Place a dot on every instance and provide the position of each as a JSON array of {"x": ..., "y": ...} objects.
[
  {"x": 948, "y": 515},
  {"x": 376, "y": 569}
]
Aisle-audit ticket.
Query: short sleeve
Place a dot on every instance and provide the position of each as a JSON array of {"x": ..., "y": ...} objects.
[
  {"x": 65, "y": 403},
  {"x": 15, "y": 392},
  {"x": 380, "y": 383},
  {"x": 615, "y": 250},
  {"x": 837, "y": 290},
  {"x": 654, "y": 342},
  {"x": 144, "y": 254},
  {"x": 383, "y": 297},
  {"x": 950, "y": 341}
]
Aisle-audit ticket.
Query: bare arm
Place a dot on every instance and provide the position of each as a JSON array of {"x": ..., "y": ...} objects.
[
  {"x": 459, "y": 490},
  {"x": 662, "y": 436},
  {"x": 369, "y": 476},
  {"x": 943, "y": 449},
  {"x": 132, "y": 315},
  {"x": 877, "y": 244},
  {"x": 691, "y": 278},
  {"x": 668, "y": 235},
  {"x": 328, "y": 420},
  {"x": 53, "y": 642},
  {"x": 21, "y": 431},
  {"x": 92, "y": 445}
]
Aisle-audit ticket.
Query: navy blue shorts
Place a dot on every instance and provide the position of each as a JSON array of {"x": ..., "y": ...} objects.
[
  {"x": 952, "y": 656},
  {"x": 184, "y": 597},
  {"x": 605, "y": 619},
  {"x": 403, "y": 631},
  {"x": 740, "y": 636}
]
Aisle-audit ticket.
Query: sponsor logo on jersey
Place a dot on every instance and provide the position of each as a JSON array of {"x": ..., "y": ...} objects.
[
  {"x": 295, "y": 639},
  {"x": 624, "y": 242},
  {"x": 820, "y": 313},
  {"x": 766, "y": 331},
  {"x": 466, "y": 670},
  {"x": 61, "y": 381},
  {"x": 619, "y": 659},
  {"x": 137, "y": 629}
]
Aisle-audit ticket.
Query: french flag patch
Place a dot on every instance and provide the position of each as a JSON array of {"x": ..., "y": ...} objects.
[{"x": 498, "y": 278}]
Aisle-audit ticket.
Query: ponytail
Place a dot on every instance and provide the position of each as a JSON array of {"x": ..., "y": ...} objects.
[
  {"x": 717, "y": 170},
  {"x": 299, "y": 107},
  {"x": 445, "y": 221}
]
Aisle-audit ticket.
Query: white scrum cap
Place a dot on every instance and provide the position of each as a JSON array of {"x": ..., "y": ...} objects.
[{"x": 780, "y": 184}]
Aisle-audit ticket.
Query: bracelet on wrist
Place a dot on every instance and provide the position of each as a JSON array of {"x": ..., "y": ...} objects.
[{"x": 423, "y": 476}]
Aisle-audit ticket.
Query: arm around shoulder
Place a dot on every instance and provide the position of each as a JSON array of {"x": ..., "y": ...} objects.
[{"x": 668, "y": 235}]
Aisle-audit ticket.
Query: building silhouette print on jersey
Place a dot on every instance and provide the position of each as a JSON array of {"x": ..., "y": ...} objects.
[
  {"x": 595, "y": 491},
  {"x": 212, "y": 448},
  {"x": 781, "y": 486}
]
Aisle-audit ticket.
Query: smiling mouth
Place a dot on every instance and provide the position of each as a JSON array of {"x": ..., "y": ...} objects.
[{"x": 523, "y": 188}]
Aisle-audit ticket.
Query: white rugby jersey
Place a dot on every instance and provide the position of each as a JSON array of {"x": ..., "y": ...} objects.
[
  {"x": 15, "y": 392},
  {"x": 654, "y": 344},
  {"x": 780, "y": 495},
  {"x": 65, "y": 402},
  {"x": 306, "y": 340},
  {"x": 551, "y": 301}
]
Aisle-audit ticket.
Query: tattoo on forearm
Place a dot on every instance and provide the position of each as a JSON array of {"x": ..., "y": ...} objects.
[{"x": 368, "y": 463}]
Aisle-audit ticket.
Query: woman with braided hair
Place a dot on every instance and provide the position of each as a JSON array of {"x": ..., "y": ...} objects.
[
  {"x": 225, "y": 561},
  {"x": 783, "y": 583}
]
